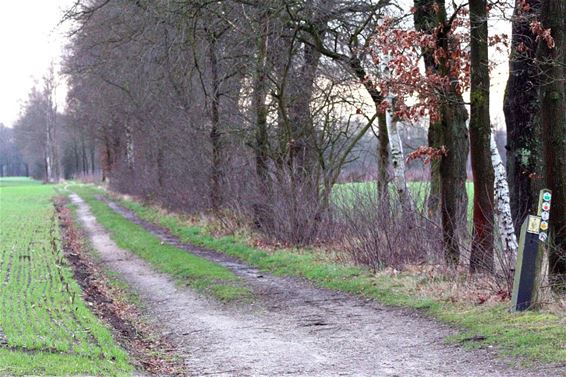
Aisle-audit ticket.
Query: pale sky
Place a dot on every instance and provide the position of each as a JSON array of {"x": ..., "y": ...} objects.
[{"x": 29, "y": 41}]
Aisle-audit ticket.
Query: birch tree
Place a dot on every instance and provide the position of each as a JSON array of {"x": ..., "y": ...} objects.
[
  {"x": 397, "y": 159},
  {"x": 502, "y": 206}
]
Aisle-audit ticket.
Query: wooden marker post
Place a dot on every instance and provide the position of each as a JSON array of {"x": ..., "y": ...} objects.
[{"x": 529, "y": 260}]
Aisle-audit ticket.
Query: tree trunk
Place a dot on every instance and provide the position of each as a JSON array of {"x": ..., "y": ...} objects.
[
  {"x": 302, "y": 146},
  {"x": 302, "y": 133},
  {"x": 397, "y": 159},
  {"x": 47, "y": 168},
  {"x": 76, "y": 155},
  {"x": 383, "y": 157},
  {"x": 84, "y": 156},
  {"x": 215, "y": 192},
  {"x": 552, "y": 60},
  {"x": 160, "y": 167},
  {"x": 448, "y": 174},
  {"x": 92, "y": 159},
  {"x": 426, "y": 20},
  {"x": 50, "y": 118},
  {"x": 481, "y": 257},
  {"x": 503, "y": 208},
  {"x": 520, "y": 109},
  {"x": 261, "y": 150},
  {"x": 130, "y": 145},
  {"x": 453, "y": 175},
  {"x": 436, "y": 141}
]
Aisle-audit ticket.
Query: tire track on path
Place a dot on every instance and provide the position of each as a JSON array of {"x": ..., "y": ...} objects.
[{"x": 292, "y": 328}]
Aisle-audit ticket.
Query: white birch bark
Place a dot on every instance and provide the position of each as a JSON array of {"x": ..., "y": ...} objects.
[
  {"x": 52, "y": 171},
  {"x": 48, "y": 169},
  {"x": 502, "y": 206},
  {"x": 129, "y": 146},
  {"x": 397, "y": 158}
]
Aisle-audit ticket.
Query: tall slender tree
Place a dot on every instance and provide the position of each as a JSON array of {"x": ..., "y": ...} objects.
[{"x": 481, "y": 258}]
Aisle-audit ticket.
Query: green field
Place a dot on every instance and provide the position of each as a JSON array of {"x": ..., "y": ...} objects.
[
  {"x": 45, "y": 326},
  {"x": 344, "y": 193},
  {"x": 17, "y": 181}
]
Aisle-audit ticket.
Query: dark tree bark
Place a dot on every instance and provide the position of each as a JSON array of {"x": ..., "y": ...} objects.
[
  {"x": 521, "y": 107},
  {"x": 383, "y": 158},
  {"x": 552, "y": 58},
  {"x": 302, "y": 146},
  {"x": 160, "y": 167},
  {"x": 481, "y": 257},
  {"x": 453, "y": 176},
  {"x": 426, "y": 20},
  {"x": 302, "y": 154},
  {"x": 261, "y": 112},
  {"x": 216, "y": 163},
  {"x": 263, "y": 217},
  {"x": 93, "y": 159},
  {"x": 84, "y": 157},
  {"x": 450, "y": 131},
  {"x": 435, "y": 140}
]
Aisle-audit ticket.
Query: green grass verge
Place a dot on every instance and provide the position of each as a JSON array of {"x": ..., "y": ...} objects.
[
  {"x": 47, "y": 328},
  {"x": 198, "y": 273},
  {"x": 529, "y": 336},
  {"x": 121, "y": 290}
]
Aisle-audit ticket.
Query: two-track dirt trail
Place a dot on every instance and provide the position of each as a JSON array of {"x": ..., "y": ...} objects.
[{"x": 291, "y": 327}]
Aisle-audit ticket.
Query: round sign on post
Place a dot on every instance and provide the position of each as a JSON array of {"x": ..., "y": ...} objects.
[
  {"x": 544, "y": 216},
  {"x": 544, "y": 225},
  {"x": 542, "y": 236},
  {"x": 546, "y": 197},
  {"x": 545, "y": 206}
]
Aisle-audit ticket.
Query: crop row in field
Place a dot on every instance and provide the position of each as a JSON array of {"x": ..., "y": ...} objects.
[{"x": 45, "y": 326}]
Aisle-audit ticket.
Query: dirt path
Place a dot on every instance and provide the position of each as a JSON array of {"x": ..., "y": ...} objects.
[{"x": 291, "y": 328}]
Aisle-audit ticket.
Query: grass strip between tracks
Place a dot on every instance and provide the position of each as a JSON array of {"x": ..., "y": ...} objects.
[{"x": 198, "y": 273}]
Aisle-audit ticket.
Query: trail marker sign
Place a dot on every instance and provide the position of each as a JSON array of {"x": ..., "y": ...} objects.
[
  {"x": 529, "y": 259},
  {"x": 544, "y": 200}
]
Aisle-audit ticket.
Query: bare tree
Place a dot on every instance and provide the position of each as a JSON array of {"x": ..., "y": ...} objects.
[{"x": 37, "y": 132}]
